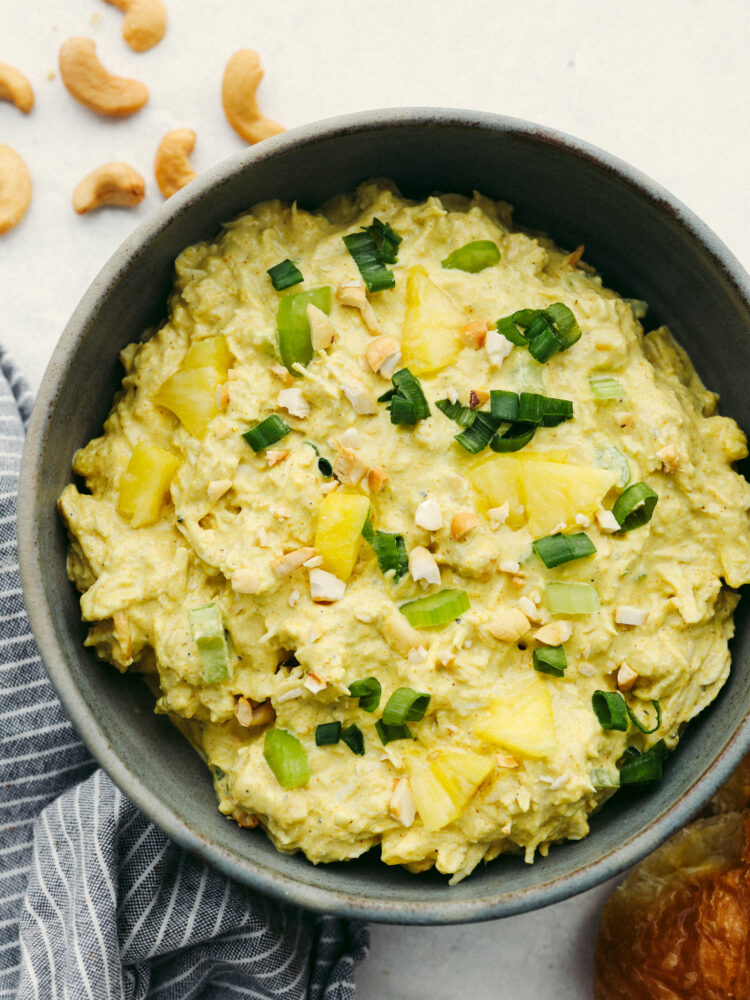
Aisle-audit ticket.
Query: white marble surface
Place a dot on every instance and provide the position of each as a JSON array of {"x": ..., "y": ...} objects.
[{"x": 663, "y": 84}]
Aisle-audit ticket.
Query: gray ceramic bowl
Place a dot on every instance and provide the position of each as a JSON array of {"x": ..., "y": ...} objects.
[{"x": 645, "y": 244}]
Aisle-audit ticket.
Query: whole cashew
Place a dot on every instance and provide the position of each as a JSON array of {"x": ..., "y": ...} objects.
[
  {"x": 14, "y": 87},
  {"x": 111, "y": 184},
  {"x": 241, "y": 78},
  {"x": 15, "y": 188},
  {"x": 92, "y": 85},
  {"x": 172, "y": 167},
  {"x": 145, "y": 22}
]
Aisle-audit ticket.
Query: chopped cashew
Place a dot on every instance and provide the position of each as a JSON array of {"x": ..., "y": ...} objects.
[
  {"x": 218, "y": 487},
  {"x": 627, "y": 615},
  {"x": 172, "y": 167},
  {"x": 325, "y": 587},
  {"x": 314, "y": 683},
  {"x": 111, "y": 184},
  {"x": 554, "y": 633},
  {"x": 294, "y": 402},
  {"x": 321, "y": 328},
  {"x": 15, "y": 87},
  {"x": 505, "y": 760},
  {"x": 625, "y": 419},
  {"x": 245, "y": 581},
  {"x": 15, "y": 188},
  {"x": 529, "y": 609},
  {"x": 275, "y": 457},
  {"x": 354, "y": 293},
  {"x": 477, "y": 398},
  {"x": 428, "y": 515},
  {"x": 383, "y": 354},
  {"x": 348, "y": 467},
  {"x": 399, "y": 634},
  {"x": 246, "y": 820},
  {"x": 463, "y": 522},
  {"x": 422, "y": 565},
  {"x": 93, "y": 86},
  {"x": 508, "y": 625},
  {"x": 249, "y": 714},
  {"x": 376, "y": 479},
  {"x": 359, "y": 396},
  {"x": 282, "y": 373},
  {"x": 241, "y": 79},
  {"x": 499, "y": 515},
  {"x": 669, "y": 458},
  {"x": 583, "y": 520},
  {"x": 145, "y": 22},
  {"x": 351, "y": 438},
  {"x": 474, "y": 334},
  {"x": 626, "y": 677},
  {"x": 402, "y": 806},
  {"x": 607, "y": 521},
  {"x": 283, "y": 567},
  {"x": 497, "y": 347}
]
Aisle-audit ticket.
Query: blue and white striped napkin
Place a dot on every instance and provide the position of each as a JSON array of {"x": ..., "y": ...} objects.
[{"x": 95, "y": 902}]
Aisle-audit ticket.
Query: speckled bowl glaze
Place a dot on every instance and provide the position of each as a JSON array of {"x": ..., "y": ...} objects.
[{"x": 645, "y": 244}]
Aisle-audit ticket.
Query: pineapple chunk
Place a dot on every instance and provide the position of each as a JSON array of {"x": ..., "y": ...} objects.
[
  {"x": 443, "y": 785},
  {"x": 550, "y": 493},
  {"x": 429, "y": 339},
  {"x": 522, "y": 721},
  {"x": 338, "y": 537},
  {"x": 145, "y": 482},
  {"x": 191, "y": 392}
]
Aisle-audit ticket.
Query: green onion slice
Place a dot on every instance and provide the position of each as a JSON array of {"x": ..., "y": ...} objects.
[
  {"x": 388, "y": 734},
  {"x": 634, "y": 507},
  {"x": 639, "y": 768},
  {"x": 605, "y": 387},
  {"x": 366, "y": 256},
  {"x": 389, "y": 549},
  {"x": 354, "y": 739},
  {"x": 405, "y": 705},
  {"x": 571, "y": 598},
  {"x": 566, "y": 326},
  {"x": 504, "y": 405},
  {"x": 327, "y": 734},
  {"x": 267, "y": 432},
  {"x": 610, "y": 709},
  {"x": 436, "y": 609},
  {"x": 512, "y": 326},
  {"x": 286, "y": 757},
  {"x": 514, "y": 438},
  {"x": 293, "y": 328},
  {"x": 410, "y": 388},
  {"x": 464, "y": 416},
  {"x": 554, "y": 550},
  {"x": 602, "y": 777},
  {"x": 368, "y": 691},
  {"x": 550, "y": 660},
  {"x": 543, "y": 331},
  {"x": 473, "y": 257},
  {"x": 639, "y": 725},
  {"x": 386, "y": 240},
  {"x": 207, "y": 630},
  {"x": 284, "y": 275},
  {"x": 478, "y": 435}
]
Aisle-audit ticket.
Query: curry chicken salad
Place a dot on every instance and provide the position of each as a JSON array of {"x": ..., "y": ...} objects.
[{"x": 417, "y": 537}]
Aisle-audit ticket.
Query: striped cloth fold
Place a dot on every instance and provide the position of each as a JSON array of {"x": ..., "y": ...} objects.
[{"x": 95, "y": 901}]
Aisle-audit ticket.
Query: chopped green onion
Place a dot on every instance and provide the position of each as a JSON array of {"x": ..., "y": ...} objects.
[
  {"x": 354, "y": 739},
  {"x": 543, "y": 331},
  {"x": 284, "y": 275},
  {"x": 479, "y": 434},
  {"x": 286, "y": 757},
  {"x": 324, "y": 466},
  {"x": 464, "y": 416},
  {"x": 554, "y": 550},
  {"x": 386, "y": 240},
  {"x": 504, "y": 405},
  {"x": 601, "y": 777},
  {"x": 368, "y": 691},
  {"x": 512, "y": 327},
  {"x": 639, "y": 725},
  {"x": 389, "y": 549},
  {"x": 610, "y": 457},
  {"x": 550, "y": 660},
  {"x": 388, "y": 734},
  {"x": 567, "y": 329},
  {"x": 293, "y": 328},
  {"x": 610, "y": 709},
  {"x": 642, "y": 767},
  {"x": 405, "y": 705},
  {"x": 327, "y": 734},
  {"x": 605, "y": 387},
  {"x": 634, "y": 507},
  {"x": 473, "y": 257},
  {"x": 207, "y": 630},
  {"x": 267, "y": 432},
  {"x": 366, "y": 256},
  {"x": 436, "y": 609},
  {"x": 515, "y": 438},
  {"x": 409, "y": 388},
  {"x": 571, "y": 598}
]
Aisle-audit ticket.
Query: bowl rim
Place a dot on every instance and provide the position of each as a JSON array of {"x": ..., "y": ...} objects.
[{"x": 493, "y": 905}]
